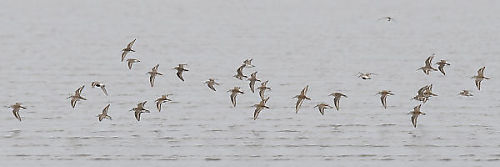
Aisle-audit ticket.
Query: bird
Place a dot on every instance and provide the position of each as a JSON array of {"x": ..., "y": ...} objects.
[
  {"x": 234, "y": 92},
  {"x": 466, "y": 93},
  {"x": 252, "y": 79},
  {"x": 239, "y": 72},
  {"x": 383, "y": 97},
  {"x": 263, "y": 87},
  {"x": 161, "y": 100},
  {"x": 300, "y": 98},
  {"x": 365, "y": 76},
  {"x": 479, "y": 77},
  {"x": 77, "y": 97},
  {"x": 128, "y": 49},
  {"x": 428, "y": 65},
  {"x": 131, "y": 62},
  {"x": 248, "y": 63},
  {"x": 336, "y": 99},
  {"x": 424, "y": 93},
  {"x": 387, "y": 18},
  {"x": 180, "y": 69},
  {"x": 414, "y": 115},
  {"x": 210, "y": 83},
  {"x": 259, "y": 107},
  {"x": 441, "y": 66},
  {"x": 15, "y": 110},
  {"x": 139, "y": 110},
  {"x": 322, "y": 107},
  {"x": 100, "y": 85},
  {"x": 153, "y": 73},
  {"x": 104, "y": 114}
]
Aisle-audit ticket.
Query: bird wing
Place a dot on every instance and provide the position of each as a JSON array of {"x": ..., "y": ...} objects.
[
  {"x": 179, "y": 74},
  {"x": 298, "y": 104},
  {"x": 152, "y": 79},
  {"x": 105, "y": 110},
  {"x": 256, "y": 112},
  {"x": 233, "y": 98},
  {"x": 480, "y": 72},
  {"x": 441, "y": 68},
  {"x": 104, "y": 90},
  {"x": 138, "y": 115},
  {"x": 336, "y": 102},
  {"x": 73, "y": 102},
  {"x": 211, "y": 86},
  {"x": 15, "y": 111},
  {"x": 321, "y": 110},
  {"x": 158, "y": 105},
  {"x": 428, "y": 61},
  {"x": 304, "y": 91},
  {"x": 383, "y": 98},
  {"x": 124, "y": 54},
  {"x": 252, "y": 85},
  {"x": 129, "y": 46}
]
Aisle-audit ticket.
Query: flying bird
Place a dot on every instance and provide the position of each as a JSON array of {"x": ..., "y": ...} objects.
[
  {"x": 383, "y": 97},
  {"x": 127, "y": 49},
  {"x": 263, "y": 87},
  {"x": 465, "y": 93},
  {"x": 131, "y": 62},
  {"x": 259, "y": 107},
  {"x": 248, "y": 63},
  {"x": 153, "y": 73},
  {"x": 104, "y": 114},
  {"x": 387, "y": 18},
  {"x": 336, "y": 99},
  {"x": 139, "y": 110},
  {"x": 180, "y": 69},
  {"x": 365, "y": 76},
  {"x": 77, "y": 97},
  {"x": 234, "y": 92},
  {"x": 239, "y": 73},
  {"x": 428, "y": 65},
  {"x": 300, "y": 98},
  {"x": 322, "y": 107},
  {"x": 100, "y": 85},
  {"x": 15, "y": 110},
  {"x": 210, "y": 83},
  {"x": 479, "y": 77},
  {"x": 414, "y": 115},
  {"x": 441, "y": 66},
  {"x": 161, "y": 100},
  {"x": 252, "y": 79}
]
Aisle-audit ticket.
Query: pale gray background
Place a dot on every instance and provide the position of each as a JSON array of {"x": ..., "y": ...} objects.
[{"x": 49, "y": 48}]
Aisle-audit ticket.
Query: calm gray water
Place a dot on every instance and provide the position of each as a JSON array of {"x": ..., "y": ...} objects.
[{"x": 50, "y": 48}]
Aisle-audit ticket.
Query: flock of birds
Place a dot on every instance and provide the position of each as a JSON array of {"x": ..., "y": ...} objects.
[{"x": 423, "y": 94}]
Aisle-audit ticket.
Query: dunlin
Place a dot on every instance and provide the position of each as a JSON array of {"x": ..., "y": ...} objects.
[
  {"x": 322, "y": 107},
  {"x": 15, "y": 110},
  {"x": 300, "y": 98},
  {"x": 234, "y": 92},
  {"x": 180, "y": 69},
  {"x": 100, "y": 85},
  {"x": 259, "y": 107},
  {"x": 127, "y": 49},
  {"x": 104, "y": 114},
  {"x": 336, "y": 99},
  {"x": 414, "y": 115},
  {"x": 479, "y": 77},
  {"x": 139, "y": 110},
  {"x": 210, "y": 83},
  {"x": 153, "y": 73},
  {"x": 383, "y": 97},
  {"x": 131, "y": 62}
]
